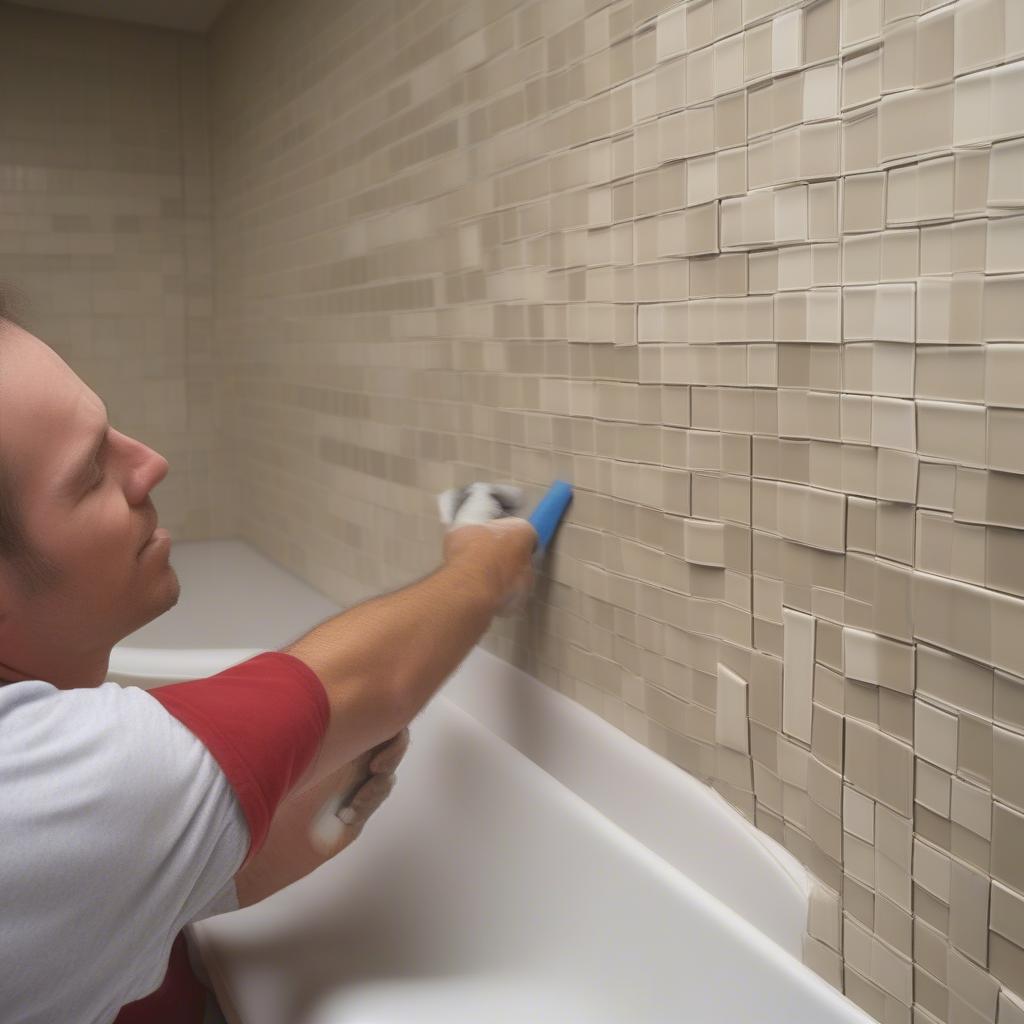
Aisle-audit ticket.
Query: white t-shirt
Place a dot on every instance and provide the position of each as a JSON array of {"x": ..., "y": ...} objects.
[{"x": 119, "y": 826}]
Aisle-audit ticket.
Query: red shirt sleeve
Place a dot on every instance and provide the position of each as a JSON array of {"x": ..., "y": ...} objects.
[{"x": 263, "y": 721}]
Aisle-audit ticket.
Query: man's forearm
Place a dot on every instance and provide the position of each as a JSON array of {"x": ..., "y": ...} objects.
[{"x": 381, "y": 661}]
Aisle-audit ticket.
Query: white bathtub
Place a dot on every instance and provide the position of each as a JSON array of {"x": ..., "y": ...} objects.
[{"x": 534, "y": 864}]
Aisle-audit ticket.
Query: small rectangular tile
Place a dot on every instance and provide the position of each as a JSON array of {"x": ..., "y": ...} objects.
[
  {"x": 1008, "y": 846},
  {"x": 731, "y": 727},
  {"x": 874, "y": 659},
  {"x": 798, "y": 674}
]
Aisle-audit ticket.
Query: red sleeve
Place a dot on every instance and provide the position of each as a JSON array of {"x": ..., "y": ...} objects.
[{"x": 263, "y": 721}]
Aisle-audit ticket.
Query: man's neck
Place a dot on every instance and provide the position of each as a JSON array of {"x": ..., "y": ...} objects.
[{"x": 82, "y": 674}]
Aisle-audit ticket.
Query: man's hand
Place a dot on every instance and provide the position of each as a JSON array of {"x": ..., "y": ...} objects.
[
  {"x": 288, "y": 855},
  {"x": 379, "y": 781}
]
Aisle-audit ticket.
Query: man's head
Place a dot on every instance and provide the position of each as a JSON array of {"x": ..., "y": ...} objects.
[{"x": 76, "y": 572}]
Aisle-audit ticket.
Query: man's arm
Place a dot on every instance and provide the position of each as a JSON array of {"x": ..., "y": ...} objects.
[{"x": 381, "y": 661}]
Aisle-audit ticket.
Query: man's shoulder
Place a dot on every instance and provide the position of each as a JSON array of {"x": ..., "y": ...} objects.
[{"x": 42, "y": 697}]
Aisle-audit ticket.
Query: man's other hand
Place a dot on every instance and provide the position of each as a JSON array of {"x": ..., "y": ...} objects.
[{"x": 375, "y": 790}]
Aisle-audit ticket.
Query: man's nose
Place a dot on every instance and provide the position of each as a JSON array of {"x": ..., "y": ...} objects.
[
  {"x": 155, "y": 470},
  {"x": 147, "y": 469}
]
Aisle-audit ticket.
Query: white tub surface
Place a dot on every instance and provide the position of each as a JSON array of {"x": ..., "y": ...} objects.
[{"x": 533, "y": 864}]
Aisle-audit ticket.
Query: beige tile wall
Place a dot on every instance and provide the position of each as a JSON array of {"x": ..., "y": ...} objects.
[
  {"x": 105, "y": 221},
  {"x": 750, "y": 273}
]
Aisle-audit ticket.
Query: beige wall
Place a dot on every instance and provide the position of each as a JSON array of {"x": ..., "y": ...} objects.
[
  {"x": 105, "y": 219},
  {"x": 748, "y": 274}
]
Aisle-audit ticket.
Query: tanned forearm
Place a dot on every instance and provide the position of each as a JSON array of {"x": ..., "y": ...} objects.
[{"x": 381, "y": 661}]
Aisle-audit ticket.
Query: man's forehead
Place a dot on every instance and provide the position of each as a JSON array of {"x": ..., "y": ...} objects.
[
  {"x": 26, "y": 361},
  {"x": 19, "y": 348}
]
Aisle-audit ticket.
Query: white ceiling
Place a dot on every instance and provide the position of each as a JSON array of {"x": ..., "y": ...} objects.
[{"x": 188, "y": 15}]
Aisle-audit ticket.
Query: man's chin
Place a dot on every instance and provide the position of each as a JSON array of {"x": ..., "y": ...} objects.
[
  {"x": 171, "y": 592},
  {"x": 163, "y": 596}
]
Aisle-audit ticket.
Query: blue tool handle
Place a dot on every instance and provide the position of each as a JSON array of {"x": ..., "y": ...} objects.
[{"x": 549, "y": 511}]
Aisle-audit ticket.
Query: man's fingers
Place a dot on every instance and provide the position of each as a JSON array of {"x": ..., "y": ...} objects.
[
  {"x": 353, "y": 832},
  {"x": 370, "y": 796},
  {"x": 386, "y": 760}
]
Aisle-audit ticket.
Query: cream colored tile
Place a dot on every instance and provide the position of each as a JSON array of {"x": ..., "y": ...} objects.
[
  {"x": 798, "y": 674},
  {"x": 731, "y": 728}
]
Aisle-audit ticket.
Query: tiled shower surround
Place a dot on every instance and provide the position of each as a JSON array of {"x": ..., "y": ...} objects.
[{"x": 751, "y": 276}]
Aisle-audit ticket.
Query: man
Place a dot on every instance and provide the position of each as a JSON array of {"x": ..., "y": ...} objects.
[{"x": 126, "y": 814}]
